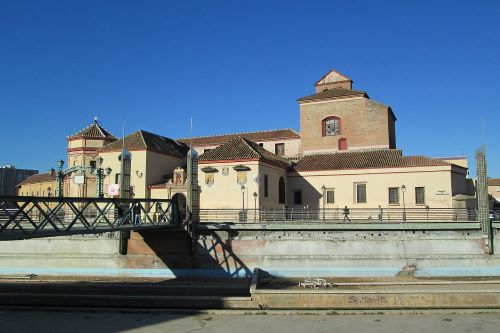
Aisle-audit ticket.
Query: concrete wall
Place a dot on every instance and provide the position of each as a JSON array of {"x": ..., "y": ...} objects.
[
  {"x": 436, "y": 180},
  {"x": 273, "y": 175},
  {"x": 494, "y": 191},
  {"x": 38, "y": 189},
  {"x": 364, "y": 123},
  {"x": 159, "y": 165},
  {"x": 225, "y": 191},
  {"x": 110, "y": 160},
  {"x": 290, "y": 252}
]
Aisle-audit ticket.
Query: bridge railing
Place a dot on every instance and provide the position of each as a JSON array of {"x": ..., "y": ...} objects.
[
  {"x": 31, "y": 217},
  {"x": 338, "y": 215}
]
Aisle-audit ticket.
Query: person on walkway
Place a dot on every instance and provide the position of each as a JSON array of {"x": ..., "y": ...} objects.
[
  {"x": 346, "y": 214},
  {"x": 381, "y": 213},
  {"x": 137, "y": 215}
]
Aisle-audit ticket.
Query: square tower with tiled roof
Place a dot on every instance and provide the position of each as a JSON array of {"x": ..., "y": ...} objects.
[{"x": 338, "y": 118}]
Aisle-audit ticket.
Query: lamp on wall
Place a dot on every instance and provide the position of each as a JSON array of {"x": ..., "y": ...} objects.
[{"x": 139, "y": 173}]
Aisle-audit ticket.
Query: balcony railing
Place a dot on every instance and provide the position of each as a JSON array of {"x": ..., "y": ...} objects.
[{"x": 354, "y": 215}]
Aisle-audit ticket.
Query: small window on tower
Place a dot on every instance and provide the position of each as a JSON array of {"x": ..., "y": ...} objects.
[{"x": 279, "y": 149}]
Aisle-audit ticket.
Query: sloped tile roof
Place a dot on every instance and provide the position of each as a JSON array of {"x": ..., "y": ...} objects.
[
  {"x": 494, "y": 181},
  {"x": 369, "y": 159},
  {"x": 142, "y": 140},
  {"x": 334, "y": 93},
  {"x": 278, "y": 134},
  {"x": 240, "y": 148},
  {"x": 93, "y": 131},
  {"x": 38, "y": 178}
]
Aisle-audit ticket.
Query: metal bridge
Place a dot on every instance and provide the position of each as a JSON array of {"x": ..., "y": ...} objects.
[{"x": 35, "y": 217}]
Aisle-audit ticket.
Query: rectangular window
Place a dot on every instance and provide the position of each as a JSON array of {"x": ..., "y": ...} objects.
[
  {"x": 393, "y": 195},
  {"x": 93, "y": 164},
  {"x": 297, "y": 197},
  {"x": 266, "y": 186},
  {"x": 332, "y": 127},
  {"x": 279, "y": 149},
  {"x": 330, "y": 196},
  {"x": 206, "y": 150},
  {"x": 420, "y": 195},
  {"x": 360, "y": 193},
  {"x": 117, "y": 178},
  {"x": 261, "y": 144}
]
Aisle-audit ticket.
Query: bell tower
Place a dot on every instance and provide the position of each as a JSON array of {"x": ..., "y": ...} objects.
[{"x": 339, "y": 118}]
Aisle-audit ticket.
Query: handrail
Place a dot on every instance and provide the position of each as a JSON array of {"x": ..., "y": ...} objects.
[
  {"x": 338, "y": 215},
  {"x": 32, "y": 217}
]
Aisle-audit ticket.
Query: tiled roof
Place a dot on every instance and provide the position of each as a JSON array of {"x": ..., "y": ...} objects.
[
  {"x": 494, "y": 181},
  {"x": 94, "y": 131},
  {"x": 278, "y": 134},
  {"x": 242, "y": 149},
  {"x": 39, "y": 178},
  {"x": 369, "y": 159},
  {"x": 334, "y": 93},
  {"x": 142, "y": 140}
]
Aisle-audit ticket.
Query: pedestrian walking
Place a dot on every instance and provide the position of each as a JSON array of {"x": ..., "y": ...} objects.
[{"x": 346, "y": 214}]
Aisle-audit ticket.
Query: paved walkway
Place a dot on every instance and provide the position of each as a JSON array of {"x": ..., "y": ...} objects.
[{"x": 27, "y": 320}]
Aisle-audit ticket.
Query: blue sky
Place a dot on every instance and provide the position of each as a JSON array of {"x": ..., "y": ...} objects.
[{"x": 156, "y": 64}]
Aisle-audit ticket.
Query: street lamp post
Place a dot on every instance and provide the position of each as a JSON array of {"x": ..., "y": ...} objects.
[
  {"x": 59, "y": 179},
  {"x": 403, "y": 190},
  {"x": 243, "y": 197},
  {"x": 108, "y": 171},
  {"x": 243, "y": 215},
  {"x": 323, "y": 189},
  {"x": 255, "y": 207}
]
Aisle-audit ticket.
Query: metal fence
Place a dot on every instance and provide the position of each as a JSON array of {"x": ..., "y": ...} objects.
[
  {"x": 31, "y": 217},
  {"x": 361, "y": 215}
]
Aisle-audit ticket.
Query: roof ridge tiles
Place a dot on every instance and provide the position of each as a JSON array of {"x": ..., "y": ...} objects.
[
  {"x": 86, "y": 132},
  {"x": 239, "y": 133}
]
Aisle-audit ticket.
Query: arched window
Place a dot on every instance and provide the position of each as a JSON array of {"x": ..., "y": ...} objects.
[
  {"x": 281, "y": 191},
  {"x": 331, "y": 126}
]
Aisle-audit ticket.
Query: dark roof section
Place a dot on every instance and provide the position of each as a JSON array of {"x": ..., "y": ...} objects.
[
  {"x": 334, "y": 93},
  {"x": 278, "y": 134},
  {"x": 142, "y": 140},
  {"x": 39, "y": 178},
  {"x": 93, "y": 131},
  {"x": 368, "y": 159},
  {"x": 493, "y": 181},
  {"x": 242, "y": 149}
]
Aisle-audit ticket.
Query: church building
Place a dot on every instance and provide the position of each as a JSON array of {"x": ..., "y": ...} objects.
[{"x": 344, "y": 155}]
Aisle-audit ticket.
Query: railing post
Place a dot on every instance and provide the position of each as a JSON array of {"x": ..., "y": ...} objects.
[{"x": 483, "y": 200}]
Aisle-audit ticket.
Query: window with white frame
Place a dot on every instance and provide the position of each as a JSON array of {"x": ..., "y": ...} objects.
[
  {"x": 393, "y": 195},
  {"x": 361, "y": 193},
  {"x": 420, "y": 195},
  {"x": 330, "y": 196}
]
